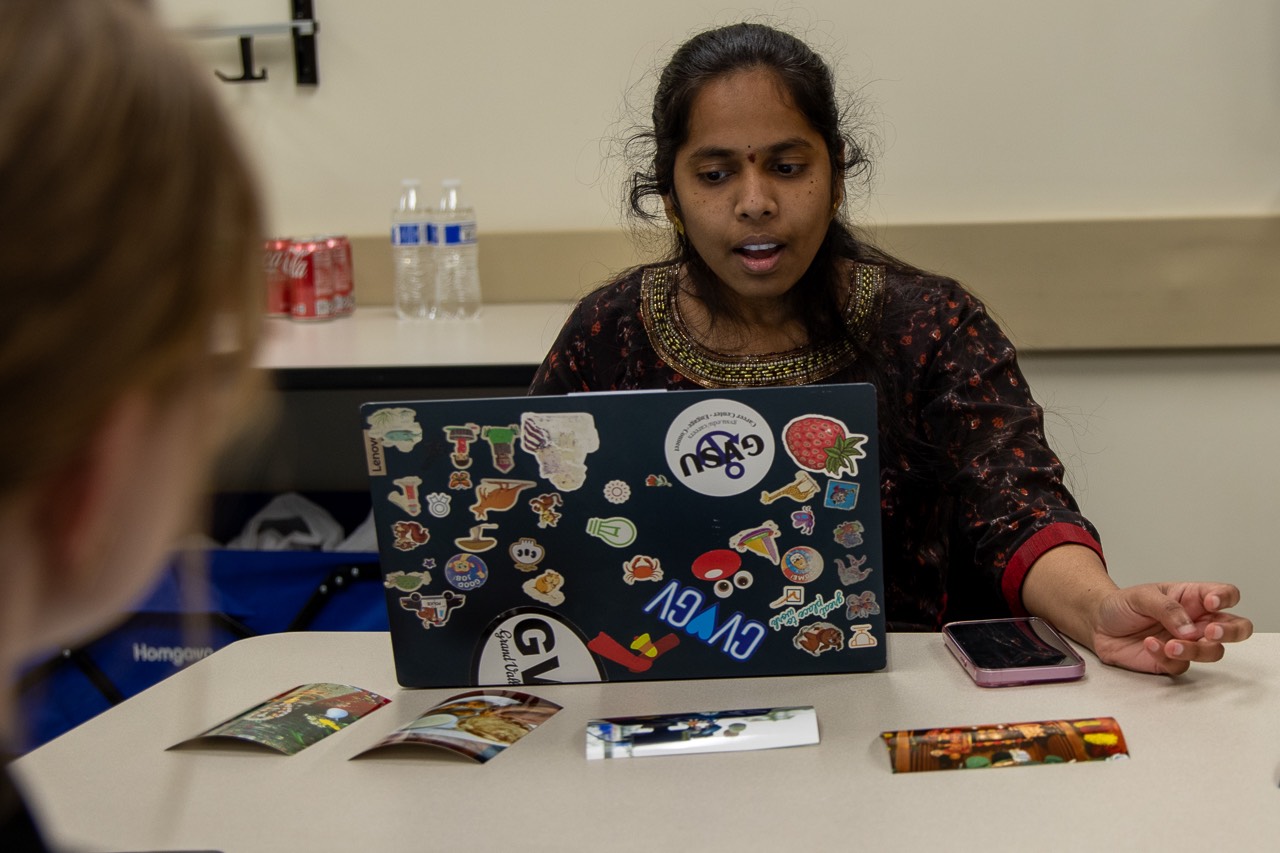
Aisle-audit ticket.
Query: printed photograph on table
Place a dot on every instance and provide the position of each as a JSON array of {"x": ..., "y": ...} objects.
[
  {"x": 629, "y": 536},
  {"x": 479, "y": 725},
  {"x": 1005, "y": 745},
  {"x": 694, "y": 732},
  {"x": 297, "y": 718}
]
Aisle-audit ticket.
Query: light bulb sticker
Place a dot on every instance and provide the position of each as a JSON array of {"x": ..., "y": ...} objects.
[
  {"x": 618, "y": 532},
  {"x": 719, "y": 447}
]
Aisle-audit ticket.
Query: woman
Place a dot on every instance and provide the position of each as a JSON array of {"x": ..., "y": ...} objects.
[
  {"x": 130, "y": 265},
  {"x": 766, "y": 286}
]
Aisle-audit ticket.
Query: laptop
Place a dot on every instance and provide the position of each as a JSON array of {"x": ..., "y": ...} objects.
[{"x": 629, "y": 536}]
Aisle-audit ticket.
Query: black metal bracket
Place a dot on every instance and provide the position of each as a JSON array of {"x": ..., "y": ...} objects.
[{"x": 303, "y": 28}]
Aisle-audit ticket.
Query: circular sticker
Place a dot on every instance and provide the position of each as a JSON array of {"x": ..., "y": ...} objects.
[
  {"x": 802, "y": 564},
  {"x": 466, "y": 572},
  {"x": 719, "y": 447}
]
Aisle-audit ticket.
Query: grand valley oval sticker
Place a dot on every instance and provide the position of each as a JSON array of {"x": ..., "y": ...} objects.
[
  {"x": 532, "y": 646},
  {"x": 719, "y": 447}
]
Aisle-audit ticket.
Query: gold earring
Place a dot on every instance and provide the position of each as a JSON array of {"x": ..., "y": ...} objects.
[{"x": 679, "y": 226}]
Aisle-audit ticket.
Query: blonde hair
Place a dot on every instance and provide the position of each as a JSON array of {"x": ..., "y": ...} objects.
[{"x": 130, "y": 229}]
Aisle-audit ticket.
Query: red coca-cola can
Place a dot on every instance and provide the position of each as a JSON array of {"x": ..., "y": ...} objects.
[
  {"x": 344, "y": 285},
  {"x": 279, "y": 303},
  {"x": 309, "y": 267}
]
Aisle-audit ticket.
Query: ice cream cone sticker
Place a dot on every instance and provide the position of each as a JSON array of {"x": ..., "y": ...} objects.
[{"x": 760, "y": 540}]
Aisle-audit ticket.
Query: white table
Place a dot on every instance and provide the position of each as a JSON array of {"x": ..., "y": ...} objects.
[
  {"x": 1202, "y": 776},
  {"x": 372, "y": 348}
]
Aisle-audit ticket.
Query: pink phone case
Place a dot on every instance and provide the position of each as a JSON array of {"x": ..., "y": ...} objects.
[{"x": 1005, "y": 676}]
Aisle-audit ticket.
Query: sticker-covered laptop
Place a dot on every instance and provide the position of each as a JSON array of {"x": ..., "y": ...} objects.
[{"x": 629, "y": 536}]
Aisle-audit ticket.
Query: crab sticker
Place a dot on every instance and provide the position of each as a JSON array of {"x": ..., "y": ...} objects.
[
  {"x": 850, "y": 569},
  {"x": 409, "y": 535},
  {"x": 432, "y": 610},
  {"x": 546, "y": 588},
  {"x": 617, "y": 492},
  {"x": 802, "y": 564},
  {"x": 841, "y": 495},
  {"x": 461, "y": 437},
  {"x": 466, "y": 572},
  {"x": 460, "y": 480},
  {"x": 861, "y": 606},
  {"x": 476, "y": 541},
  {"x": 502, "y": 444},
  {"x": 803, "y": 520},
  {"x": 641, "y": 568},
  {"x": 801, "y": 488},
  {"x": 761, "y": 541},
  {"x": 526, "y": 554},
  {"x": 849, "y": 533},
  {"x": 438, "y": 504},
  {"x": 618, "y": 532},
  {"x": 719, "y": 447},
  {"x": 407, "y": 581},
  {"x": 407, "y": 497},
  {"x": 545, "y": 506},
  {"x": 823, "y": 444},
  {"x": 818, "y": 638},
  {"x": 493, "y": 495},
  {"x": 398, "y": 428},
  {"x": 561, "y": 442}
]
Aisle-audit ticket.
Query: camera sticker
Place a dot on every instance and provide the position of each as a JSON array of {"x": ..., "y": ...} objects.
[
  {"x": 823, "y": 444},
  {"x": 561, "y": 442},
  {"x": 408, "y": 535},
  {"x": 800, "y": 489},
  {"x": 719, "y": 447}
]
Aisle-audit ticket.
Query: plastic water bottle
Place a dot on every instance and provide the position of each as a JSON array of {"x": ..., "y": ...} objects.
[
  {"x": 452, "y": 235},
  {"x": 410, "y": 253}
]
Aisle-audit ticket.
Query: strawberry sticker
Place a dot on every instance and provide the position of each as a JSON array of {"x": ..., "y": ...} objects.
[{"x": 823, "y": 444}]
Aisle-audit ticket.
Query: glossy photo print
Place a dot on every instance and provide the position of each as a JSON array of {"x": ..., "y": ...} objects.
[
  {"x": 1005, "y": 745},
  {"x": 479, "y": 724},
  {"x": 297, "y": 718},
  {"x": 701, "y": 731}
]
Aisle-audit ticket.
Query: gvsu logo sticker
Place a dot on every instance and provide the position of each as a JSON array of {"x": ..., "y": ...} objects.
[
  {"x": 719, "y": 447},
  {"x": 534, "y": 647}
]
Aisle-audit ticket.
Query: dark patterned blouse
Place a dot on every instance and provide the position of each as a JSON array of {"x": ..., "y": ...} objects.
[{"x": 971, "y": 493}]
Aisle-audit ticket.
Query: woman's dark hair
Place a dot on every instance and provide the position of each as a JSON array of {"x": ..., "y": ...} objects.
[{"x": 808, "y": 82}]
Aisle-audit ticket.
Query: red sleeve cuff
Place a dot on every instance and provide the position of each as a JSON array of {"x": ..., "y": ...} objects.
[{"x": 1015, "y": 571}]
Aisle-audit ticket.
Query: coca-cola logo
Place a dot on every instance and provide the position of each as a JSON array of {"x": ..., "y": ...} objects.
[
  {"x": 273, "y": 261},
  {"x": 296, "y": 264}
]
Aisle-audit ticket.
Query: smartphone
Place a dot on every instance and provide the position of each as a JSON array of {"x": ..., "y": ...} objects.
[{"x": 1004, "y": 652}]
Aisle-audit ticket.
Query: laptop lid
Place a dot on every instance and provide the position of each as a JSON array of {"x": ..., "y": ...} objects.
[{"x": 627, "y": 536}]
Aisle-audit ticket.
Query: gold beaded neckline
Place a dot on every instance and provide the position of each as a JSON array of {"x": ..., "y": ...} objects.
[{"x": 711, "y": 369}]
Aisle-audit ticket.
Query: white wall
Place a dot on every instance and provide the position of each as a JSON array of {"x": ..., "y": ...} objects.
[{"x": 987, "y": 110}]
